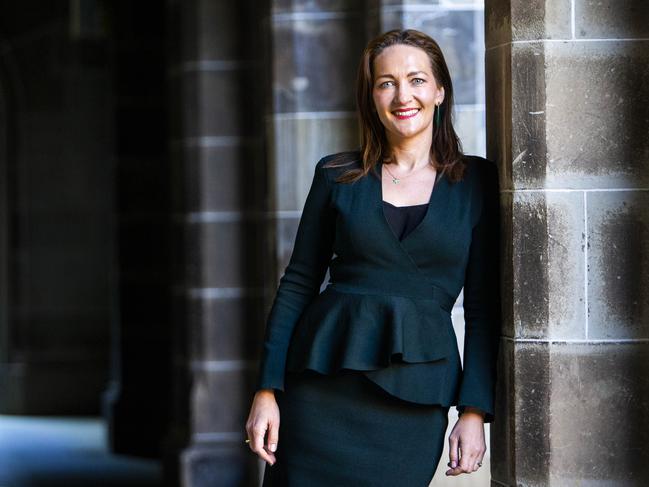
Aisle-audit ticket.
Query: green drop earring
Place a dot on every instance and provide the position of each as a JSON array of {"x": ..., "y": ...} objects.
[{"x": 438, "y": 116}]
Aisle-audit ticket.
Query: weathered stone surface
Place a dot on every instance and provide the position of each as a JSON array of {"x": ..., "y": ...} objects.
[
  {"x": 227, "y": 177},
  {"x": 571, "y": 129},
  {"x": 498, "y": 108},
  {"x": 226, "y": 327},
  {"x": 315, "y": 63},
  {"x": 572, "y": 413},
  {"x": 600, "y": 141},
  {"x": 224, "y": 253},
  {"x": 220, "y": 399},
  {"x": 220, "y": 102},
  {"x": 219, "y": 464},
  {"x": 205, "y": 30},
  {"x": 530, "y": 419},
  {"x": 529, "y": 125},
  {"x": 501, "y": 445},
  {"x": 611, "y": 19},
  {"x": 598, "y": 414},
  {"x": 548, "y": 265},
  {"x": 298, "y": 144},
  {"x": 507, "y": 264},
  {"x": 518, "y": 20},
  {"x": 618, "y": 264}
]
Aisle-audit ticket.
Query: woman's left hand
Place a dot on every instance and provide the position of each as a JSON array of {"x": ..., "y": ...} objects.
[{"x": 468, "y": 438}]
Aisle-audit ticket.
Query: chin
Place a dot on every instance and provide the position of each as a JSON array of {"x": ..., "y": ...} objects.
[{"x": 408, "y": 134}]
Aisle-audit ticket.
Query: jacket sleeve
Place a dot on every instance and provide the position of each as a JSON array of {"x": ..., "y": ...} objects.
[
  {"x": 482, "y": 299},
  {"x": 302, "y": 278}
]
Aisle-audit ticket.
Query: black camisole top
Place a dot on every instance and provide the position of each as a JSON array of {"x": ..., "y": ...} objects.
[{"x": 403, "y": 219}]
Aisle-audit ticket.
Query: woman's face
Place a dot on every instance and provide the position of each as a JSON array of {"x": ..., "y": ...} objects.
[{"x": 405, "y": 92}]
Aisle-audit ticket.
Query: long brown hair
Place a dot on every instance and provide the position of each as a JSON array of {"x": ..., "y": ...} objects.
[{"x": 446, "y": 148}]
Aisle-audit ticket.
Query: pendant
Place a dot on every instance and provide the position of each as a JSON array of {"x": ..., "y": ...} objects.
[{"x": 395, "y": 180}]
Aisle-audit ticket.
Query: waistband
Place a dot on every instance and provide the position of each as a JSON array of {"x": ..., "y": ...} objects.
[{"x": 375, "y": 281}]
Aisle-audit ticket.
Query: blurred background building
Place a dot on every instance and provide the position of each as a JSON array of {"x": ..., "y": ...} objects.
[{"x": 154, "y": 160}]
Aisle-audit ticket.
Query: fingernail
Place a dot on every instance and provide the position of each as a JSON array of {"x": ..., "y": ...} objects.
[
  {"x": 453, "y": 464},
  {"x": 273, "y": 447}
]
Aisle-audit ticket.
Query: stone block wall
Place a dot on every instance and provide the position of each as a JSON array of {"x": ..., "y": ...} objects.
[{"x": 567, "y": 113}]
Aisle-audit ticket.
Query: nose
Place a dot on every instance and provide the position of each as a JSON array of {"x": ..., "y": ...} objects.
[{"x": 403, "y": 94}]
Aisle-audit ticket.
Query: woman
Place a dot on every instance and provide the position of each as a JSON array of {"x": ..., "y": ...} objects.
[{"x": 363, "y": 373}]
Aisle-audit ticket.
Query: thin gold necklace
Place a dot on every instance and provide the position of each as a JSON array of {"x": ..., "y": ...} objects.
[{"x": 395, "y": 179}]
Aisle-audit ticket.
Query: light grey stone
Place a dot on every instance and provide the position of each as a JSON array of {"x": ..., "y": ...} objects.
[
  {"x": 618, "y": 264},
  {"x": 548, "y": 265},
  {"x": 518, "y": 20},
  {"x": 597, "y": 408},
  {"x": 578, "y": 115},
  {"x": 597, "y": 108},
  {"x": 609, "y": 19}
]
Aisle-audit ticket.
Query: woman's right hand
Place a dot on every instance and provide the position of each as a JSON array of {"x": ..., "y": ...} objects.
[{"x": 263, "y": 417}]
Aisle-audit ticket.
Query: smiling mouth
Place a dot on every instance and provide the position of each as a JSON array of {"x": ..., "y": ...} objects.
[{"x": 403, "y": 114}]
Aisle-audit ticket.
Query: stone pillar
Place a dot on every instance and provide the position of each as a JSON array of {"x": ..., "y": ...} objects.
[
  {"x": 5, "y": 236},
  {"x": 55, "y": 209},
  {"x": 217, "y": 82},
  {"x": 136, "y": 401},
  {"x": 567, "y": 116}
]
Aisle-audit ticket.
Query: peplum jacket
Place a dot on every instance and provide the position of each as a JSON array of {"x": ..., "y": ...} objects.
[{"x": 386, "y": 309}]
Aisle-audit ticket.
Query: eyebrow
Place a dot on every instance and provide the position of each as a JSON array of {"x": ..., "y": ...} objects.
[{"x": 411, "y": 73}]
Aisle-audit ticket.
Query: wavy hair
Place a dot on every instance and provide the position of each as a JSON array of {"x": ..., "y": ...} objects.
[{"x": 446, "y": 148}]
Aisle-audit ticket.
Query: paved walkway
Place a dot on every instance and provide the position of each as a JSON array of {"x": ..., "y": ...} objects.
[{"x": 66, "y": 452}]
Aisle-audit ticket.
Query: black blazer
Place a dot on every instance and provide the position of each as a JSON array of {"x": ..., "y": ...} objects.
[{"x": 386, "y": 309}]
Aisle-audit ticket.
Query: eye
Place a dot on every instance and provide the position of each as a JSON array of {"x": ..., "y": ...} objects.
[
  {"x": 383, "y": 85},
  {"x": 419, "y": 81}
]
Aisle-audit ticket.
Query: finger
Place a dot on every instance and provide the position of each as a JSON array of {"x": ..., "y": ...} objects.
[
  {"x": 258, "y": 443},
  {"x": 273, "y": 436},
  {"x": 467, "y": 460},
  {"x": 453, "y": 451}
]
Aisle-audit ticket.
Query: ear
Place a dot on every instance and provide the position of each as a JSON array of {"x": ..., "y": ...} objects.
[{"x": 443, "y": 95}]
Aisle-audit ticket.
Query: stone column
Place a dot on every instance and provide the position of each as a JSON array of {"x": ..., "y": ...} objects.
[
  {"x": 567, "y": 96},
  {"x": 217, "y": 82},
  {"x": 136, "y": 401},
  {"x": 55, "y": 210},
  {"x": 5, "y": 235}
]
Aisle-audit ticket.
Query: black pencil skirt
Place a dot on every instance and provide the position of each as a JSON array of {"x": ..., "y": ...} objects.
[{"x": 344, "y": 430}]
